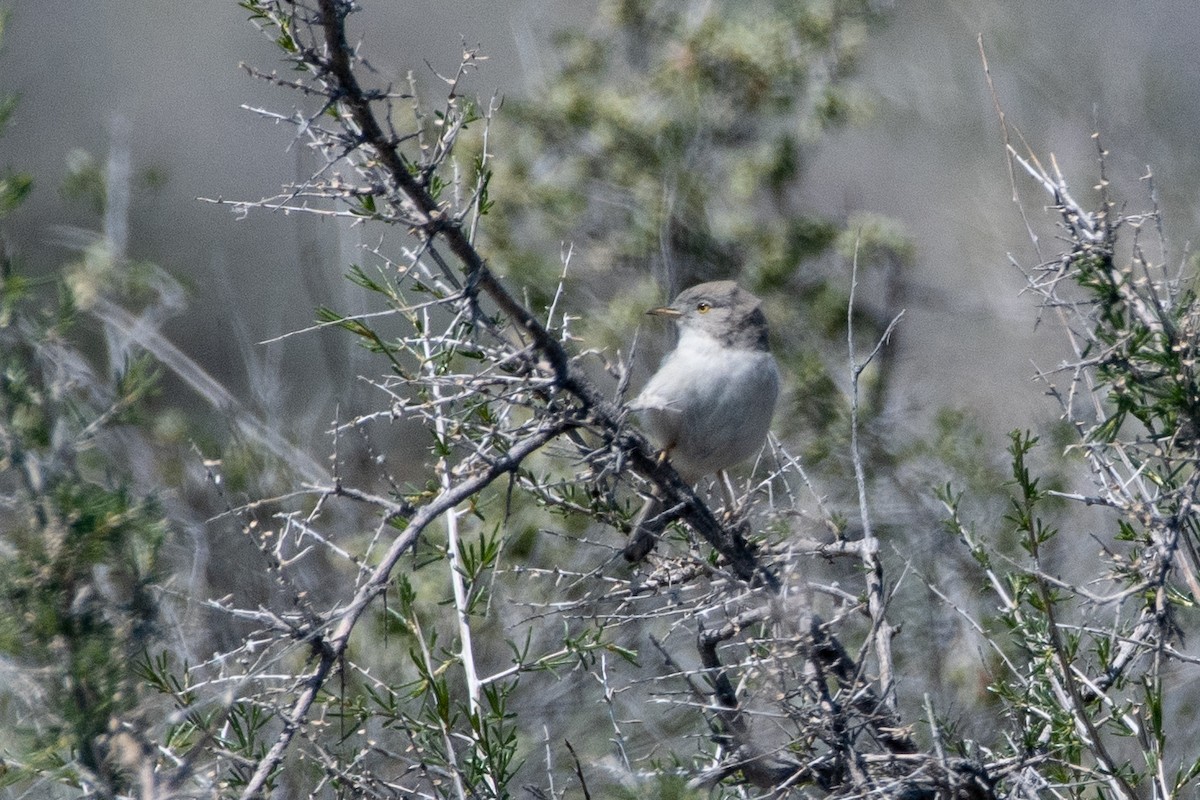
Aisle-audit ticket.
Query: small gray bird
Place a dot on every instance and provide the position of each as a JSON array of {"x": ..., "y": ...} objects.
[{"x": 709, "y": 406}]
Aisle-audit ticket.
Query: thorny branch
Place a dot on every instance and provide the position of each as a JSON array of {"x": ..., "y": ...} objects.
[
  {"x": 332, "y": 63},
  {"x": 331, "y": 647},
  {"x": 789, "y": 706},
  {"x": 876, "y": 590},
  {"x": 1132, "y": 399},
  {"x": 846, "y": 735}
]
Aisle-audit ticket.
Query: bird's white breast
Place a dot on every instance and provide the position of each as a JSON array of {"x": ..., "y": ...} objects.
[{"x": 709, "y": 404}]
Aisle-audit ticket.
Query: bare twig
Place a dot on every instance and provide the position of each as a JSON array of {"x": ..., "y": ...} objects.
[{"x": 869, "y": 549}]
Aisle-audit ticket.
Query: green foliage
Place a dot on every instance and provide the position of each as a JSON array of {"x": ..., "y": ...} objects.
[
  {"x": 1148, "y": 352},
  {"x": 77, "y": 599},
  {"x": 85, "y": 182},
  {"x": 876, "y": 241},
  {"x": 1073, "y": 668},
  {"x": 670, "y": 143},
  {"x": 1024, "y": 512},
  {"x": 81, "y": 548},
  {"x": 76, "y": 585},
  {"x": 14, "y": 188}
]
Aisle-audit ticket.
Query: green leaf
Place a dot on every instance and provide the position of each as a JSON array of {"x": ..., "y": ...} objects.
[
  {"x": 14, "y": 188},
  {"x": 8, "y": 104}
]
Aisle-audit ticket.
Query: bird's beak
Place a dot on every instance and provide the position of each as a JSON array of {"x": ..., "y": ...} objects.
[{"x": 664, "y": 311}]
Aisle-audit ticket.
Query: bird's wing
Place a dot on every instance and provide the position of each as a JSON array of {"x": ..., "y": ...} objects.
[{"x": 654, "y": 402}]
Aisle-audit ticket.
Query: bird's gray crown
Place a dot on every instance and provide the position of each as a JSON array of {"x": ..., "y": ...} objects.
[{"x": 723, "y": 310}]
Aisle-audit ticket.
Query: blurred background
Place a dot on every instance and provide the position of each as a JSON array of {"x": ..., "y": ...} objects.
[
  {"x": 928, "y": 154},
  {"x": 914, "y": 148}
]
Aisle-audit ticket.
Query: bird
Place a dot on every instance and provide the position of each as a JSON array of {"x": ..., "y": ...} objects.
[{"x": 709, "y": 405}]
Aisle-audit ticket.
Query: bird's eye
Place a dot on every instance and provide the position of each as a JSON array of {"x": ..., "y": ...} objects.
[{"x": 703, "y": 306}]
